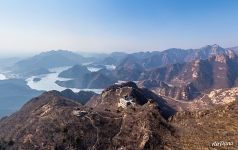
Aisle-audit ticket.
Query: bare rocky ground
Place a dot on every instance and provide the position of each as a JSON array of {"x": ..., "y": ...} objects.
[{"x": 52, "y": 121}]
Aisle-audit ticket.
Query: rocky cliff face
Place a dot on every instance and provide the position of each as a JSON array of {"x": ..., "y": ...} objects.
[
  {"x": 186, "y": 81},
  {"x": 162, "y": 88}
]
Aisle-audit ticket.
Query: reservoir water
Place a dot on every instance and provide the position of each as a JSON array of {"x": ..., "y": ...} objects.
[
  {"x": 2, "y": 77},
  {"x": 47, "y": 82}
]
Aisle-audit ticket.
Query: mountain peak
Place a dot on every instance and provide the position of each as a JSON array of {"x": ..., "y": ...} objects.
[
  {"x": 212, "y": 46},
  {"x": 125, "y": 84},
  {"x": 215, "y": 45},
  {"x": 215, "y": 49},
  {"x": 115, "y": 95}
]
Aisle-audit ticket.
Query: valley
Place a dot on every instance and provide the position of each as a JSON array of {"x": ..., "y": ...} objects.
[
  {"x": 47, "y": 81},
  {"x": 118, "y": 75},
  {"x": 139, "y": 106}
]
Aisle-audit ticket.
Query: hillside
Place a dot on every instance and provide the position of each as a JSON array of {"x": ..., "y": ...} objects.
[
  {"x": 215, "y": 128},
  {"x": 188, "y": 80},
  {"x": 92, "y": 80},
  {"x": 77, "y": 71},
  {"x": 52, "y": 121}
]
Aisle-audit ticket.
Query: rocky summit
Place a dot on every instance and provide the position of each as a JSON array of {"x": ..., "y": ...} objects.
[{"x": 52, "y": 121}]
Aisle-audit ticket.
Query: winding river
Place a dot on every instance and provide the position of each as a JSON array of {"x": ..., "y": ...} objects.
[{"x": 47, "y": 82}]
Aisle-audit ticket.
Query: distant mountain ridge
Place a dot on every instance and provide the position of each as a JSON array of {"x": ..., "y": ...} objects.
[
  {"x": 235, "y": 49},
  {"x": 189, "y": 71},
  {"x": 146, "y": 60},
  {"x": 171, "y": 56},
  {"x": 187, "y": 80},
  {"x": 57, "y": 58},
  {"x": 48, "y": 60}
]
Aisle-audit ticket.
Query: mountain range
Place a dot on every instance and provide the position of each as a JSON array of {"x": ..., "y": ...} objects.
[
  {"x": 46, "y": 60},
  {"x": 146, "y": 60},
  {"x": 52, "y": 121},
  {"x": 171, "y": 56},
  {"x": 170, "y": 100},
  {"x": 199, "y": 76},
  {"x": 190, "y": 73}
]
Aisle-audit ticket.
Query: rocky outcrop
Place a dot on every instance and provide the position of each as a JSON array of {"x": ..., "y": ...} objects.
[
  {"x": 187, "y": 92},
  {"x": 210, "y": 129},
  {"x": 111, "y": 98}
]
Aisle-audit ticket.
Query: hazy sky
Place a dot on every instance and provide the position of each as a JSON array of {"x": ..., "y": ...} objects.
[{"x": 116, "y": 25}]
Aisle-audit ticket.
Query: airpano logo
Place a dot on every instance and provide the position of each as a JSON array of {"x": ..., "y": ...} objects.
[{"x": 222, "y": 143}]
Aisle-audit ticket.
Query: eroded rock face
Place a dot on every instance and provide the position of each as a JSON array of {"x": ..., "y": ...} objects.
[
  {"x": 187, "y": 92},
  {"x": 187, "y": 81},
  {"x": 214, "y": 98},
  {"x": 202, "y": 129},
  {"x": 223, "y": 96}
]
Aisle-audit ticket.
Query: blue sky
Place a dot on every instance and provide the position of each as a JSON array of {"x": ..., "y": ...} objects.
[{"x": 116, "y": 25}]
